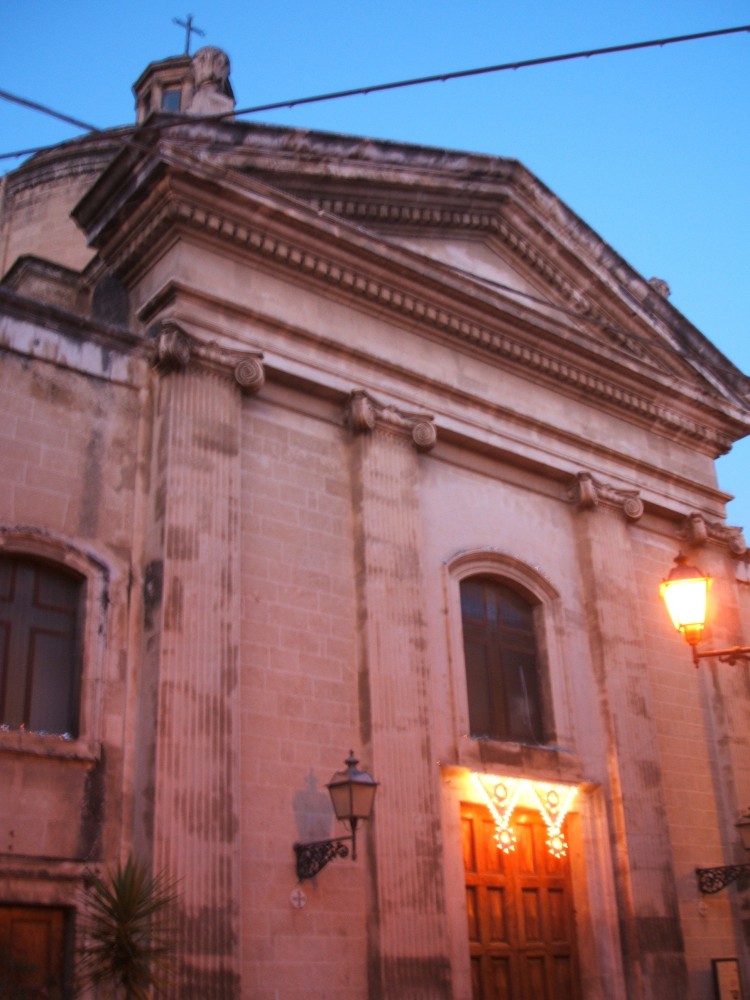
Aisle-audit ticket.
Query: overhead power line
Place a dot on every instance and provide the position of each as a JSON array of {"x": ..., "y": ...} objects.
[
  {"x": 13, "y": 98},
  {"x": 380, "y": 87},
  {"x": 501, "y": 67}
]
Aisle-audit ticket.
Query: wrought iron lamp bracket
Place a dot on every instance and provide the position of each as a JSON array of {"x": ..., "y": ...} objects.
[
  {"x": 712, "y": 880},
  {"x": 732, "y": 655},
  {"x": 314, "y": 856}
]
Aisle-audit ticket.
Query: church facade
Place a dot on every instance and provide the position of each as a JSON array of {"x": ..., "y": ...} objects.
[{"x": 316, "y": 443}]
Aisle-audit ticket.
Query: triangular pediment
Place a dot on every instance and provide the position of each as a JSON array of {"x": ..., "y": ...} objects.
[
  {"x": 475, "y": 248},
  {"x": 502, "y": 263},
  {"x": 489, "y": 218}
]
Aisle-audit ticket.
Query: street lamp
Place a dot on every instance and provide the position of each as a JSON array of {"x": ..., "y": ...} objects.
[
  {"x": 685, "y": 593},
  {"x": 352, "y": 796}
]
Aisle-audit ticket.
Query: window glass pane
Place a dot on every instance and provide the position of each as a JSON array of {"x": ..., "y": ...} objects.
[
  {"x": 524, "y": 716},
  {"x": 39, "y": 645},
  {"x": 49, "y": 682},
  {"x": 170, "y": 100},
  {"x": 502, "y": 672},
  {"x": 4, "y": 649},
  {"x": 477, "y": 683},
  {"x": 472, "y": 600},
  {"x": 515, "y": 612}
]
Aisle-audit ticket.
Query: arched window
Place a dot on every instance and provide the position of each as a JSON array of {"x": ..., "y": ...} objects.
[
  {"x": 40, "y": 638},
  {"x": 502, "y": 663}
]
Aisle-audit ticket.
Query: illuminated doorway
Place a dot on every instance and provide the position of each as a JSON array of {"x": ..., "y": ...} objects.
[{"x": 520, "y": 912}]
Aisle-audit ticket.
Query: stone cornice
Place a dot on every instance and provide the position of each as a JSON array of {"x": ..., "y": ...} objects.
[
  {"x": 52, "y": 334},
  {"x": 387, "y": 216},
  {"x": 436, "y": 215},
  {"x": 88, "y": 155},
  {"x": 406, "y": 285}
]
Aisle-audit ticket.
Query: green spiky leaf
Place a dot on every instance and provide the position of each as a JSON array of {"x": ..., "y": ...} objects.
[{"x": 128, "y": 937}]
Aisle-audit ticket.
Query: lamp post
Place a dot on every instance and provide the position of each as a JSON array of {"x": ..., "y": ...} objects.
[
  {"x": 352, "y": 796},
  {"x": 685, "y": 593}
]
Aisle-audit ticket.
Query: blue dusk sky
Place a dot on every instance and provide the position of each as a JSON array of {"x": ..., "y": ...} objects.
[{"x": 650, "y": 148}]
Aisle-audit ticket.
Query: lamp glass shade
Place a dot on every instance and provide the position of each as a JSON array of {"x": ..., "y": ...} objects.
[
  {"x": 685, "y": 593},
  {"x": 352, "y": 792}
]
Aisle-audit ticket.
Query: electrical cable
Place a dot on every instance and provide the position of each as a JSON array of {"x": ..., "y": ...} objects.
[
  {"x": 15, "y": 99},
  {"x": 127, "y": 135},
  {"x": 501, "y": 67},
  {"x": 376, "y": 88}
]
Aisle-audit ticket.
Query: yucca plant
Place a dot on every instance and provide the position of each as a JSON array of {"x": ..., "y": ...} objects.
[{"x": 128, "y": 939}]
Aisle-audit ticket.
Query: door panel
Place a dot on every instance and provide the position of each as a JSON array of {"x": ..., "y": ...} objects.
[
  {"x": 520, "y": 915},
  {"x": 32, "y": 955}
]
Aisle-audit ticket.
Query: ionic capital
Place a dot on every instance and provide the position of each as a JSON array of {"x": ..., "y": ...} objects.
[
  {"x": 697, "y": 531},
  {"x": 174, "y": 350},
  {"x": 588, "y": 492},
  {"x": 364, "y": 414}
]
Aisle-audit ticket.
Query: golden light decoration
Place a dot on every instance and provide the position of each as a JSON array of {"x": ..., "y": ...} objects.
[
  {"x": 555, "y": 802},
  {"x": 502, "y": 796}
]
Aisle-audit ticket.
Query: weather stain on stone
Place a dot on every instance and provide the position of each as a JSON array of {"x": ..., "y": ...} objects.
[
  {"x": 88, "y": 518},
  {"x": 413, "y": 976},
  {"x": 153, "y": 585},
  {"x": 650, "y": 773},
  {"x": 173, "y": 606},
  {"x": 217, "y": 436},
  {"x": 182, "y": 542},
  {"x": 51, "y": 390},
  {"x": 92, "y": 814}
]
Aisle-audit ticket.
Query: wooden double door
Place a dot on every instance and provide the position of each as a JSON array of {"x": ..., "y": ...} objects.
[{"x": 520, "y": 912}]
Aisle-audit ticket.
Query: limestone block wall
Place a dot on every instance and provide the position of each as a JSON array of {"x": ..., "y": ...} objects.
[
  {"x": 68, "y": 445},
  {"x": 37, "y": 201},
  {"x": 701, "y": 717},
  {"x": 299, "y": 700}
]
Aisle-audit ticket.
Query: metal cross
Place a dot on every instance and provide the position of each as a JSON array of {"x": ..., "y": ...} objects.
[{"x": 189, "y": 30}]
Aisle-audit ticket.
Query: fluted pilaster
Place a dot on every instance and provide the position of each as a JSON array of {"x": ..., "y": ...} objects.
[
  {"x": 408, "y": 936},
  {"x": 196, "y": 784},
  {"x": 650, "y": 924}
]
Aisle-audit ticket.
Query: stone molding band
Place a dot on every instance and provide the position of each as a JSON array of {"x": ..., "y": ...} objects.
[{"x": 322, "y": 267}]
